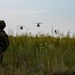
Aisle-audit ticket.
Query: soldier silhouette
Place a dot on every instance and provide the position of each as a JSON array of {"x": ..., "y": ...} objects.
[{"x": 4, "y": 41}]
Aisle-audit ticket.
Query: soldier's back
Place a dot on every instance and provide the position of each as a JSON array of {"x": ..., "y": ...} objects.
[{"x": 4, "y": 41}]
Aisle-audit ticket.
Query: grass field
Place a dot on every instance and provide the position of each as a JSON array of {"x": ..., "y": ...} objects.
[{"x": 42, "y": 55}]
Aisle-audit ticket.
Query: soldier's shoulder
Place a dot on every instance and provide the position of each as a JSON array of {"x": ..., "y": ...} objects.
[{"x": 3, "y": 33}]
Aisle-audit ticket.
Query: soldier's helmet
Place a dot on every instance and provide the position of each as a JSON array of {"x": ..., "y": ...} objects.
[{"x": 2, "y": 24}]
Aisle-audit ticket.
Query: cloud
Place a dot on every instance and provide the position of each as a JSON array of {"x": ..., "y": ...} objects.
[
  {"x": 1, "y": 1},
  {"x": 20, "y": 12},
  {"x": 4, "y": 0}
]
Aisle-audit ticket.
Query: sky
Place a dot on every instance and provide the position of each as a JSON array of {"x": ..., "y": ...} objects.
[{"x": 57, "y": 13}]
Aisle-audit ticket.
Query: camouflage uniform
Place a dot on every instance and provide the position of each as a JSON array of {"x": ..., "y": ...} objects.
[{"x": 4, "y": 41}]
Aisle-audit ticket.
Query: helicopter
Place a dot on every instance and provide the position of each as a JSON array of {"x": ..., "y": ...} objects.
[
  {"x": 56, "y": 31},
  {"x": 38, "y": 24},
  {"x": 21, "y": 27}
]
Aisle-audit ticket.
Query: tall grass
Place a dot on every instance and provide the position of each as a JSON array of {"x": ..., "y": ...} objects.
[{"x": 42, "y": 55}]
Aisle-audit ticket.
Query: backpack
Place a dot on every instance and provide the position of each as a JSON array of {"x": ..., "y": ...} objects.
[{"x": 4, "y": 41}]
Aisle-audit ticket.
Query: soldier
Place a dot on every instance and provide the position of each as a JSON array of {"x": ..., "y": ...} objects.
[{"x": 4, "y": 41}]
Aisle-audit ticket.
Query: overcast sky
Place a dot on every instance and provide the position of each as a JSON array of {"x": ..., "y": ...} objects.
[{"x": 59, "y": 13}]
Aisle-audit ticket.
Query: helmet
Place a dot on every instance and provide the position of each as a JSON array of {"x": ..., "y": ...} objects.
[{"x": 2, "y": 24}]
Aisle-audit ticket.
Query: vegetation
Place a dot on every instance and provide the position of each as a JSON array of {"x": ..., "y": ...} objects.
[{"x": 43, "y": 55}]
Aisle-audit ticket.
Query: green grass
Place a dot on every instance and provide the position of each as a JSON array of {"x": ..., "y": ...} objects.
[{"x": 42, "y": 55}]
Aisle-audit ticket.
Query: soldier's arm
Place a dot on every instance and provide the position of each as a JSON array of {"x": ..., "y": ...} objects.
[{"x": 6, "y": 42}]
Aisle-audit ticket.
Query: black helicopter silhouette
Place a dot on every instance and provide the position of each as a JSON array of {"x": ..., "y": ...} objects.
[
  {"x": 21, "y": 27},
  {"x": 55, "y": 31},
  {"x": 38, "y": 24}
]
